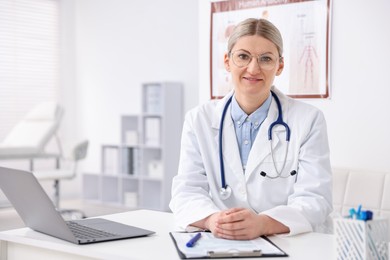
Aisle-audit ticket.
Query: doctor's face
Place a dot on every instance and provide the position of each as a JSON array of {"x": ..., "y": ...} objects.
[{"x": 253, "y": 63}]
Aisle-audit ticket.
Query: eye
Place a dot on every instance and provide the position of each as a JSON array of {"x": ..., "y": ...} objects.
[
  {"x": 266, "y": 59},
  {"x": 243, "y": 56}
]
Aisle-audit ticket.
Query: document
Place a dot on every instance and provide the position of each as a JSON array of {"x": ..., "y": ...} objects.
[{"x": 208, "y": 246}]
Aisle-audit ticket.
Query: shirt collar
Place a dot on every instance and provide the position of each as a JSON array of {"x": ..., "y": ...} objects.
[{"x": 256, "y": 118}]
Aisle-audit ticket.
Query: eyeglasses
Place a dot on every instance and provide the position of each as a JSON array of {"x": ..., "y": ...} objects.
[{"x": 242, "y": 59}]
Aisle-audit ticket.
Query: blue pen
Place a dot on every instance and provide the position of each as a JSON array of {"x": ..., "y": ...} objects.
[
  {"x": 193, "y": 240},
  {"x": 358, "y": 212}
]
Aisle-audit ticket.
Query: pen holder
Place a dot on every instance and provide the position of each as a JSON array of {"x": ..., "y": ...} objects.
[{"x": 359, "y": 239}]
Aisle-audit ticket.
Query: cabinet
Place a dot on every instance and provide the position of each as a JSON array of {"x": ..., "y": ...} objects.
[{"x": 137, "y": 172}]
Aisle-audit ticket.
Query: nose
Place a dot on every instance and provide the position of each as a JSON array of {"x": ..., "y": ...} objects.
[{"x": 253, "y": 66}]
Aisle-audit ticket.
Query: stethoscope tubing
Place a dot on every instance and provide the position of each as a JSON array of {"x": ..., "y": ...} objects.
[
  {"x": 221, "y": 163},
  {"x": 279, "y": 120},
  {"x": 225, "y": 189}
]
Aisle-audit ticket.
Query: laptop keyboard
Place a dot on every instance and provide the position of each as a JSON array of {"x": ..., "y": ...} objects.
[{"x": 84, "y": 232}]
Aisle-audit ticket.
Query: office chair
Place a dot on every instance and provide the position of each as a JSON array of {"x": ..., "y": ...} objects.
[
  {"x": 79, "y": 153},
  {"x": 28, "y": 138}
]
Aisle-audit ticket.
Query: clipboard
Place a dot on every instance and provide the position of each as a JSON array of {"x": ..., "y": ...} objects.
[{"x": 209, "y": 246}]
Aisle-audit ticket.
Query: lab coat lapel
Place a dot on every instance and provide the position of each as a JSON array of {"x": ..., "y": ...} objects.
[
  {"x": 261, "y": 146},
  {"x": 231, "y": 154}
]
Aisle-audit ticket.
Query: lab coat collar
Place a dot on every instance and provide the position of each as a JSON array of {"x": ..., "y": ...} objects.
[{"x": 222, "y": 102}]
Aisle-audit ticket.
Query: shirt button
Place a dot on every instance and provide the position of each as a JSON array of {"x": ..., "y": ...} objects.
[
  {"x": 256, "y": 123},
  {"x": 246, "y": 142},
  {"x": 239, "y": 122}
]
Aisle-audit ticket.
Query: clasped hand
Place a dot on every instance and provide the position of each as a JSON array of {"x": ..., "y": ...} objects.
[
  {"x": 235, "y": 223},
  {"x": 242, "y": 224}
]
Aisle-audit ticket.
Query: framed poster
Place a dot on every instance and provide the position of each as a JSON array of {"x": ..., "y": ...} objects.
[{"x": 305, "y": 29}]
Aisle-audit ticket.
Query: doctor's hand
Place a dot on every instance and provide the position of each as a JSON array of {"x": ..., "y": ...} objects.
[{"x": 243, "y": 224}]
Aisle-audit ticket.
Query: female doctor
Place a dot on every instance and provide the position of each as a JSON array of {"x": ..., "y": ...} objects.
[{"x": 255, "y": 162}]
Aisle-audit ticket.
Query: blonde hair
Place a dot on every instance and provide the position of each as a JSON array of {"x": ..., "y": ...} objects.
[{"x": 259, "y": 27}]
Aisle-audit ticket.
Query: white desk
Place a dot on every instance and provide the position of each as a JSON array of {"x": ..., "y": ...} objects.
[{"x": 27, "y": 244}]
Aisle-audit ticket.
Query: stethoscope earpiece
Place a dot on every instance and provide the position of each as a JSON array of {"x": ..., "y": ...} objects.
[{"x": 292, "y": 173}]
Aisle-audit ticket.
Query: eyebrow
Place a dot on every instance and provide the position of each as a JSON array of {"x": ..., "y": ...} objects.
[{"x": 267, "y": 52}]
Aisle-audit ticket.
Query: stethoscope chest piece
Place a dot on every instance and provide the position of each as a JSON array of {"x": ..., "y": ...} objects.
[{"x": 225, "y": 192}]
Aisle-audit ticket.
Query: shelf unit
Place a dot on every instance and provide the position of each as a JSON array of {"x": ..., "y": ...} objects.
[{"x": 138, "y": 172}]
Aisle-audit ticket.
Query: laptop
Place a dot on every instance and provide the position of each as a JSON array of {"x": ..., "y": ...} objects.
[{"x": 38, "y": 213}]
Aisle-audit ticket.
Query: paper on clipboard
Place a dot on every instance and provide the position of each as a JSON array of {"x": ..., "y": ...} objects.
[{"x": 212, "y": 247}]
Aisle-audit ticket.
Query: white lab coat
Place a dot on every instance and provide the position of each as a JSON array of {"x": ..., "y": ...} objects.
[{"x": 301, "y": 202}]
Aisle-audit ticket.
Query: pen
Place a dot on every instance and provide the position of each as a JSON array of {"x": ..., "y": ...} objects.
[
  {"x": 359, "y": 210},
  {"x": 193, "y": 240}
]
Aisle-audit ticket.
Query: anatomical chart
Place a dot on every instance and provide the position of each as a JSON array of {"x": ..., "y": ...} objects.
[{"x": 305, "y": 29}]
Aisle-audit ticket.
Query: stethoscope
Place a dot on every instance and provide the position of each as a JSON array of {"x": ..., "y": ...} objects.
[{"x": 226, "y": 190}]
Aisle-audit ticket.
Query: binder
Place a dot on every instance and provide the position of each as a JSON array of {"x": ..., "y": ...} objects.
[{"x": 209, "y": 246}]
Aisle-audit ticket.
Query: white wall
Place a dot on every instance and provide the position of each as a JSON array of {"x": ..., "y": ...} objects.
[
  {"x": 358, "y": 117},
  {"x": 121, "y": 44},
  {"x": 357, "y": 114},
  {"x": 111, "y": 47}
]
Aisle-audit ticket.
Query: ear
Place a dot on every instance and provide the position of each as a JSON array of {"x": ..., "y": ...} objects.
[
  {"x": 226, "y": 62},
  {"x": 281, "y": 66}
]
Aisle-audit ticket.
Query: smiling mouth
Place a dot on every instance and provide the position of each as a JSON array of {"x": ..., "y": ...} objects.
[{"x": 252, "y": 79}]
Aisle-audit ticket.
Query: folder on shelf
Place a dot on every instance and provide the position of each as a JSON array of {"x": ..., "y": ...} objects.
[
  {"x": 209, "y": 246},
  {"x": 153, "y": 98},
  {"x": 129, "y": 160},
  {"x": 110, "y": 157},
  {"x": 152, "y": 131}
]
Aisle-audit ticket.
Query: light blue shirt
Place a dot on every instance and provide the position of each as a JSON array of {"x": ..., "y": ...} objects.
[{"x": 247, "y": 126}]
